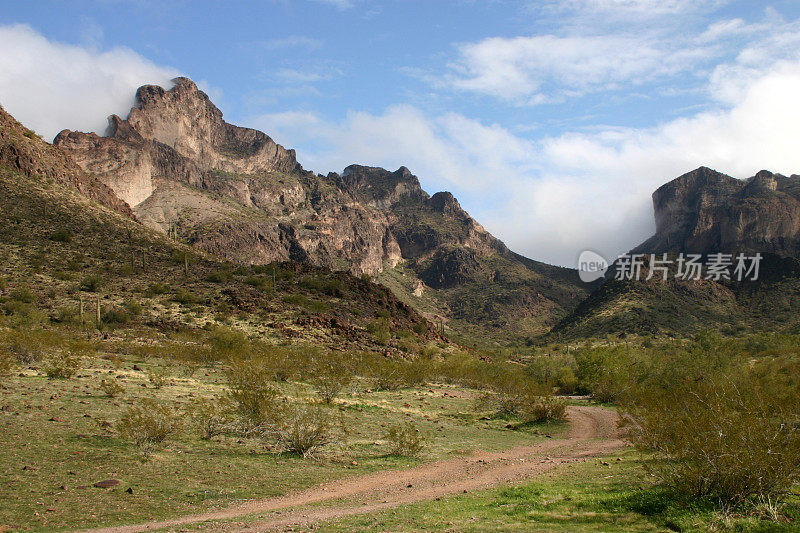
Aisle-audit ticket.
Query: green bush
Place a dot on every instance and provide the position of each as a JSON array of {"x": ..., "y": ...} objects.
[
  {"x": 147, "y": 423},
  {"x": 250, "y": 392},
  {"x": 111, "y": 388},
  {"x": 115, "y": 315},
  {"x": 157, "y": 288},
  {"x": 405, "y": 439},
  {"x": 381, "y": 333},
  {"x": 228, "y": 342},
  {"x": 542, "y": 407},
  {"x": 158, "y": 377},
  {"x": 732, "y": 436},
  {"x": 300, "y": 429},
  {"x": 61, "y": 365},
  {"x": 61, "y": 235},
  {"x": 23, "y": 295},
  {"x": 218, "y": 276},
  {"x": 212, "y": 417},
  {"x": 182, "y": 296},
  {"x": 7, "y": 363},
  {"x": 260, "y": 282},
  {"x": 90, "y": 283},
  {"x": 330, "y": 374}
]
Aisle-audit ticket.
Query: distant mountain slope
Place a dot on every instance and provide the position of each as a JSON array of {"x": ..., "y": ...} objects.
[
  {"x": 707, "y": 212},
  {"x": 235, "y": 193}
]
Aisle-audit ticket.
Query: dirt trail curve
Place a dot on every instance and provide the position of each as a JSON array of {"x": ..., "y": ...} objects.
[{"x": 593, "y": 432}]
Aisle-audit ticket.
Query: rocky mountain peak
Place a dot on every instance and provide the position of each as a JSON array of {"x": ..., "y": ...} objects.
[
  {"x": 381, "y": 188},
  {"x": 705, "y": 211},
  {"x": 444, "y": 202}
]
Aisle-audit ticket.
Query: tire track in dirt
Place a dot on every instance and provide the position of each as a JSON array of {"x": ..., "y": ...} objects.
[{"x": 593, "y": 432}]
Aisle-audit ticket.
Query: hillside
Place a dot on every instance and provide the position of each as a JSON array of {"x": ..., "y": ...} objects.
[
  {"x": 235, "y": 193},
  {"x": 62, "y": 251}
]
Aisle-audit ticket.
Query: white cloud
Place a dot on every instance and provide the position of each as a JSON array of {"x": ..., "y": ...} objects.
[
  {"x": 550, "y": 198},
  {"x": 338, "y": 4},
  {"x": 539, "y": 68},
  {"x": 293, "y": 41},
  {"x": 49, "y": 86}
]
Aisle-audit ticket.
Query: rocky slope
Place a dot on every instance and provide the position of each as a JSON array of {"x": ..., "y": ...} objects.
[
  {"x": 234, "y": 192},
  {"x": 23, "y": 151}
]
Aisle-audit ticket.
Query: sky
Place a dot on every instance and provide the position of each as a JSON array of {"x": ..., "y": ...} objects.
[{"x": 552, "y": 121}]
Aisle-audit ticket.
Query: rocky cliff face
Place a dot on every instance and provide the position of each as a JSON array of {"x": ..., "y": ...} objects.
[
  {"x": 237, "y": 194},
  {"x": 705, "y": 211}
]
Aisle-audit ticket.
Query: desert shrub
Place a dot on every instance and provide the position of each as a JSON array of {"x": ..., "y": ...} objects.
[
  {"x": 381, "y": 333},
  {"x": 90, "y": 283},
  {"x": 259, "y": 282},
  {"x": 7, "y": 363},
  {"x": 429, "y": 351},
  {"x": 111, "y": 388},
  {"x": 408, "y": 345},
  {"x": 330, "y": 374},
  {"x": 133, "y": 307},
  {"x": 212, "y": 417},
  {"x": 405, "y": 439},
  {"x": 61, "y": 364},
  {"x": 218, "y": 276},
  {"x": 506, "y": 396},
  {"x": 61, "y": 235},
  {"x": 420, "y": 328},
  {"x": 147, "y": 423},
  {"x": 3, "y": 283},
  {"x": 158, "y": 377},
  {"x": 296, "y": 299},
  {"x": 566, "y": 381},
  {"x": 538, "y": 407},
  {"x": 115, "y": 315},
  {"x": 156, "y": 288},
  {"x": 318, "y": 306},
  {"x": 228, "y": 342},
  {"x": 28, "y": 348},
  {"x": 250, "y": 392},
  {"x": 23, "y": 295},
  {"x": 300, "y": 429},
  {"x": 182, "y": 296},
  {"x": 329, "y": 286},
  {"x": 734, "y": 437}
]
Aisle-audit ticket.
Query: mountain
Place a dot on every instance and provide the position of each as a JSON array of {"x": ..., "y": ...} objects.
[
  {"x": 68, "y": 244},
  {"x": 706, "y": 212},
  {"x": 235, "y": 193}
]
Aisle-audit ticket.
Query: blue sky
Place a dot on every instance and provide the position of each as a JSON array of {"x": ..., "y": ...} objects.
[{"x": 551, "y": 121}]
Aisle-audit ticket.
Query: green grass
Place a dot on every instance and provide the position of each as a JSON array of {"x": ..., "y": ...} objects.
[
  {"x": 586, "y": 496},
  {"x": 61, "y": 433}
]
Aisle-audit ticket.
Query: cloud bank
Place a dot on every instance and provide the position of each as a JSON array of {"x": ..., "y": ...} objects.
[{"x": 49, "y": 86}]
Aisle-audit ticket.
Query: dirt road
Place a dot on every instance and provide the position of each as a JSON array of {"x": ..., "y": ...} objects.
[{"x": 593, "y": 432}]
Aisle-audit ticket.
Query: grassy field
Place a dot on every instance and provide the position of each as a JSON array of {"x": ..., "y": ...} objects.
[{"x": 60, "y": 437}]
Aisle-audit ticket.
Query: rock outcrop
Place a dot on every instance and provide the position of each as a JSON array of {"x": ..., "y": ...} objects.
[{"x": 705, "y": 211}]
